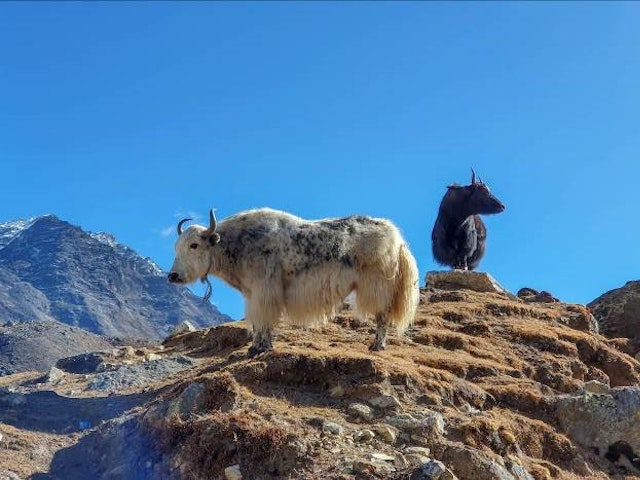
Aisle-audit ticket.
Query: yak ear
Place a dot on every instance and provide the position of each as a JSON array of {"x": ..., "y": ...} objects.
[
  {"x": 210, "y": 238},
  {"x": 215, "y": 238}
]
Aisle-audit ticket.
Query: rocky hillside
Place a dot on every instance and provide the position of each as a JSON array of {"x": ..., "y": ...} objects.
[
  {"x": 52, "y": 270},
  {"x": 485, "y": 386},
  {"x": 38, "y": 345}
]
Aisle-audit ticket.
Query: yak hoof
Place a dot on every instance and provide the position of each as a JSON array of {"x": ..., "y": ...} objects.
[
  {"x": 376, "y": 347},
  {"x": 255, "y": 351}
]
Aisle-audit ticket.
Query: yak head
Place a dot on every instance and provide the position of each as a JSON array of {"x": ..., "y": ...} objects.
[
  {"x": 473, "y": 199},
  {"x": 193, "y": 251}
]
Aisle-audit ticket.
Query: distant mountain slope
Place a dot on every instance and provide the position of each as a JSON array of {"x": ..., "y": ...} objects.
[
  {"x": 50, "y": 269},
  {"x": 38, "y": 345},
  {"x": 20, "y": 301}
]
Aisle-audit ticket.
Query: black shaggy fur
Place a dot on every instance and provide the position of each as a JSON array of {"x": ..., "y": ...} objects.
[{"x": 459, "y": 235}]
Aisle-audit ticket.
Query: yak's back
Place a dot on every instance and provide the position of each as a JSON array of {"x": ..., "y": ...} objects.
[{"x": 300, "y": 244}]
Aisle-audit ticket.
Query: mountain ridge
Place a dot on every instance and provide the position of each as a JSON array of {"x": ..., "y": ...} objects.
[{"x": 52, "y": 269}]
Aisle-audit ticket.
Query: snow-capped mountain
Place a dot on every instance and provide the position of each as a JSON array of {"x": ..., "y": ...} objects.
[
  {"x": 50, "y": 269},
  {"x": 9, "y": 230}
]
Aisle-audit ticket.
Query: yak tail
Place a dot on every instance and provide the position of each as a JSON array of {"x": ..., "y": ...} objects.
[{"x": 406, "y": 293}]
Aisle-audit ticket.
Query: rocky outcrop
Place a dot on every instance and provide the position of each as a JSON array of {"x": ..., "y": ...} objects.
[
  {"x": 618, "y": 314},
  {"x": 531, "y": 295},
  {"x": 463, "y": 279},
  {"x": 607, "y": 422}
]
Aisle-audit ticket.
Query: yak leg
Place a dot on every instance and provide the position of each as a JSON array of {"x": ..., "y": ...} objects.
[
  {"x": 461, "y": 262},
  {"x": 262, "y": 312},
  {"x": 262, "y": 342},
  {"x": 464, "y": 265},
  {"x": 380, "y": 342}
]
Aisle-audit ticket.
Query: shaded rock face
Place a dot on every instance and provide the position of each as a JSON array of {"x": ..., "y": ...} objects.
[
  {"x": 50, "y": 269},
  {"x": 618, "y": 314},
  {"x": 608, "y": 422}
]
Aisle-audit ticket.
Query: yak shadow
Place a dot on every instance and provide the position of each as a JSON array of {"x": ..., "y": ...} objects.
[
  {"x": 46, "y": 411},
  {"x": 119, "y": 450}
]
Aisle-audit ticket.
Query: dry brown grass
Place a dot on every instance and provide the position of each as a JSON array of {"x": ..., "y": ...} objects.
[{"x": 502, "y": 356}]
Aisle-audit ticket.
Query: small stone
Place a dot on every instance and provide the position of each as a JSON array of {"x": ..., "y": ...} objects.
[
  {"x": 594, "y": 386},
  {"x": 386, "y": 432},
  {"x": 364, "y": 436},
  {"x": 55, "y": 375},
  {"x": 183, "y": 327},
  {"x": 361, "y": 411},
  {"x": 383, "y": 457},
  {"x": 433, "y": 422},
  {"x": 429, "y": 423},
  {"x": 363, "y": 466},
  {"x": 432, "y": 470},
  {"x": 418, "y": 450},
  {"x": 332, "y": 427},
  {"x": 415, "y": 460},
  {"x": 403, "y": 421},
  {"x": 150, "y": 357},
  {"x": 420, "y": 440},
  {"x": 233, "y": 473},
  {"x": 385, "y": 402},
  {"x": 466, "y": 408},
  {"x": 518, "y": 470},
  {"x": 401, "y": 462},
  {"x": 189, "y": 402}
]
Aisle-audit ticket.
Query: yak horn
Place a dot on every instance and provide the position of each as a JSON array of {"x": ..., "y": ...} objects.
[
  {"x": 212, "y": 221},
  {"x": 180, "y": 223},
  {"x": 473, "y": 176}
]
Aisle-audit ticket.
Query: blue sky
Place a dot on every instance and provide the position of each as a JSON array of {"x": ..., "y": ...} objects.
[{"x": 126, "y": 116}]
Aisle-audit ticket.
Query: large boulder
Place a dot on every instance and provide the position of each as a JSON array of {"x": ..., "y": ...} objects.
[
  {"x": 607, "y": 423},
  {"x": 618, "y": 313},
  {"x": 465, "y": 279}
]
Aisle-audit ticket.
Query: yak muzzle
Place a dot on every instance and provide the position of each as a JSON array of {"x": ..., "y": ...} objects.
[{"x": 174, "y": 277}]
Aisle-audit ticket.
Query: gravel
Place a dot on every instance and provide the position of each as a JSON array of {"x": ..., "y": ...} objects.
[{"x": 140, "y": 374}]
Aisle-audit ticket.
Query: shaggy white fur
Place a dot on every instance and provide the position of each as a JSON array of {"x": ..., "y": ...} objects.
[{"x": 300, "y": 271}]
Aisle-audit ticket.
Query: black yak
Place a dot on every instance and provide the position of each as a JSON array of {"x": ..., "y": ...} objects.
[{"x": 459, "y": 235}]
